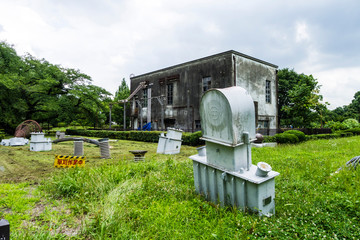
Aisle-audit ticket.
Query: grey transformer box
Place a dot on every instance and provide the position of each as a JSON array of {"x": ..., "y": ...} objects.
[{"x": 223, "y": 170}]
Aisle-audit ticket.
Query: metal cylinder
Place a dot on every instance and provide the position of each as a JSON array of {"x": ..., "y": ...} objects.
[
  {"x": 61, "y": 135},
  {"x": 262, "y": 169},
  {"x": 139, "y": 155},
  {"x": 104, "y": 148},
  {"x": 78, "y": 148}
]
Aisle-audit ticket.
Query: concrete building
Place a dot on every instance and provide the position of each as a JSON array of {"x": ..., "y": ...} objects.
[{"x": 170, "y": 97}]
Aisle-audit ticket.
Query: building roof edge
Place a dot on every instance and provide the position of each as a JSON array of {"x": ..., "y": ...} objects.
[{"x": 208, "y": 57}]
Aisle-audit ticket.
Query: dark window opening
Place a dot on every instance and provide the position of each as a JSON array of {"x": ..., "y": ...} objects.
[
  {"x": 197, "y": 125},
  {"x": 169, "y": 122},
  {"x": 170, "y": 92},
  {"x": 206, "y": 83}
]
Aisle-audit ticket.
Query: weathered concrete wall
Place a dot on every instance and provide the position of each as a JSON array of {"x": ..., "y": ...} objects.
[
  {"x": 225, "y": 69},
  {"x": 187, "y": 81},
  {"x": 252, "y": 76}
]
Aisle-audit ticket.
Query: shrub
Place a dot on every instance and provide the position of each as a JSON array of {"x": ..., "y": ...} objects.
[
  {"x": 75, "y": 123},
  {"x": 351, "y": 123},
  {"x": 344, "y": 133},
  {"x": 192, "y": 139},
  {"x": 355, "y": 131},
  {"x": 286, "y": 138},
  {"x": 335, "y": 126},
  {"x": 61, "y": 124},
  {"x": 325, "y": 136},
  {"x": 301, "y": 136},
  {"x": 2, "y": 135},
  {"x": 269, "y": 139}
]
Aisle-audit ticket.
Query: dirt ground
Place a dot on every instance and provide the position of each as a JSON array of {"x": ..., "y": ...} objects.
[{"x": 19, "y": 164}]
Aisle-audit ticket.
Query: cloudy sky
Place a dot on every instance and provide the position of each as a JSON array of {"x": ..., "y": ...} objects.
[{"x": 111, "y": 39}]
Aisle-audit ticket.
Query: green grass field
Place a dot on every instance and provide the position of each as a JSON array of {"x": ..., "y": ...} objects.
[{"x": 118, "y": 198}]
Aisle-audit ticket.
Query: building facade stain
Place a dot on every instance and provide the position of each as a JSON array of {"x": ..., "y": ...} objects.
[{"x": 176, "y": 91}]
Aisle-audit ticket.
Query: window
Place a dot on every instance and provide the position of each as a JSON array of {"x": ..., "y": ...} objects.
[
  {"x": 206, "y": 83},
  {"x": 197, "y": 125},
  {"x": 263, "y": 124},
  {"x": 268, "y": 91},
  {"x": 170, "y": 92},
  {"x": 145, "y": 97}
]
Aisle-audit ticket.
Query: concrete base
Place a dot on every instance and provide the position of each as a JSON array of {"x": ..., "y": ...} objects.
[
  {"x": 259, "y": 145},
  {"x": 40, "y": 146},
  {"x": 243, "y": 189}
]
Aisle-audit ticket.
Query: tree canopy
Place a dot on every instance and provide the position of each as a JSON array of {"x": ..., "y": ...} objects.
[
  {"x": 32, "y": 88},
  {"x": 118, "y": 109},
  {"x": 352, "y": 110},
  {"x": 299, "y": 99}
]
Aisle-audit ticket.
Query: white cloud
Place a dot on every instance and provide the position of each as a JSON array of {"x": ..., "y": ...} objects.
[
  {"x": 22, "y": 26},
  {"x": 339, "y": 85},
  {"x": 301, "y": 32}
]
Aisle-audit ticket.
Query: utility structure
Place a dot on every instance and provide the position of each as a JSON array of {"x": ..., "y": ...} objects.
[
  {"x": 141, "y": 102},
  {"x": 223, "y": 171},
  {"x": 124, "y": 101}
]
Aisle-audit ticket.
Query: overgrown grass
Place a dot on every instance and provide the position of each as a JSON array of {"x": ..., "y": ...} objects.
[
  {"x": 15, "y": 199},
  {"x": 155, "y": 199}
]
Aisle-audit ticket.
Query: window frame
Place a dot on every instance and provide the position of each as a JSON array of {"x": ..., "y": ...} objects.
[
  {"x": 268, "y": 91},
  {"x": 145, "y": 97},
  {"x": 170, "y": 93}
]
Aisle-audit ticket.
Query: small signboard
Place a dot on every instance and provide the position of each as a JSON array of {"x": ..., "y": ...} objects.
[{"x": 69, "y": 161}]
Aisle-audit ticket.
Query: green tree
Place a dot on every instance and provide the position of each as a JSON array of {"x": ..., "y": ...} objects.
[
  {"x": 354, "y": 106},
  {"x": 35, "y": 89},
  {"x": 299, "y": 99},
  {"x": 118, "y": 108},
  {"x": 123, "y": 91},
  {"x": 90, "y": 102},
  {"x": 352, "y": 110},
  {"x": 10, "y": 80}
]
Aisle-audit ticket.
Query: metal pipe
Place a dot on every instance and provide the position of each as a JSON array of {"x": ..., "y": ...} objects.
[
  {"x": 234, "y": 59},
  {"x": 92, "y": 141},
  {"x": 248, "y": 150},
  {"x": 124, "y": 116}
]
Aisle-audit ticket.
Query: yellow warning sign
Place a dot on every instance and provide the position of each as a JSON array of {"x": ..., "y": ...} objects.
[{"x": 69, "y": 161}]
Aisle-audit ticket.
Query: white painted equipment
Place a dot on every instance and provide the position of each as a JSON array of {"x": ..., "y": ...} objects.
[
  {"x": 16, "y": 141},
  {"x": 171, "y": 143},
  {"x": 39, "y": 143},
  {"x": 225, "y": 172}
]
